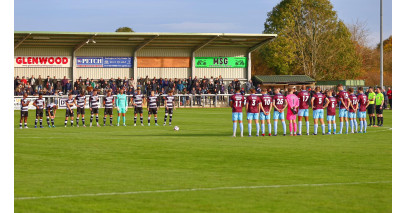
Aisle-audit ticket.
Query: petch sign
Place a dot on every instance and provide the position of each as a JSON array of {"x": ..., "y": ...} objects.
[{"x": 42, "y": 61}]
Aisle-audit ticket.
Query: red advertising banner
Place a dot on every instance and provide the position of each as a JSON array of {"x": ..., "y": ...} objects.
[{"x": 42, "y": 61}]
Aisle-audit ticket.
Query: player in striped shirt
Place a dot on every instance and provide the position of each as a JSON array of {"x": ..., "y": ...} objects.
[
  {"x": 80, "y": 104},
  {"x": 137, "y": 100},
  {"x": 152, "y": 108},
  {"x": 352, "y": 112},
  {"x": 24, "y": 111},
  {"x": 265, "y": 115},
  {"x": 50, "y": 113},
  {"x": 69, "y": 110},
  {"x": 237, "y": 103},
  {"x": 362, "y": 110},
  {"x": 108, "y": 103},
  {"x": 169, "y": 107},
  {"x": 39, "y": 104},
  {"x": 94, "y": 107},
  {"x": 318, "y": 110}
]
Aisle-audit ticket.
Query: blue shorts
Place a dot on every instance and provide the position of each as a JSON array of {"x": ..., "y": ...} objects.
[
  {"x": 262, "y": 116},
  {"x": 331, "y": 117},
  {"x": 278, "y": 115},
  {"x": 362, "y": 114},
  {"x": 121, "y": 109},
  {"x": 237, "y": 116},
  {"x": 343, "y": 113},
  {"x": 303, "y": 112},
  {"x": 352, "y": 115},
  {"x": 318, "y": 114},
  {"x": 252, "y": 116}
]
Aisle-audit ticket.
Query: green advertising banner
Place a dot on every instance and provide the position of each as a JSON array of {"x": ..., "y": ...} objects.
[{"x": 220, "y": 62}]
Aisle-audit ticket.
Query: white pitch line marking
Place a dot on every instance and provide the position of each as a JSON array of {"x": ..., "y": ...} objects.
[{"x": 195, "y": 189}]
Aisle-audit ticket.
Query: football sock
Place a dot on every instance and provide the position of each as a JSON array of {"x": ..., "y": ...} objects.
[
  {"x": 21, "y": 125},
  {"x": 104, "y": 120},
  {"x": 166, "y": 116},
  {"x": 66, "y": 121},
  {"x": 275, "y": 127},
  {"x": 346, "y": 125},
  {"x": 365, "y": 125},
  {"x": 170, "y": 118},
  {"x": 291, "y": 127},
  {"x": 241, "y": 128},
  {"x": 329, "y": 127},
  {"x": 315, "y": 128},
  {"x": 135, "y": 119},
  {"x": 323, "y": 128},
  {"x": 355, "y": 125},
  {"x": 52, "y": 121},
  {"x": 91, "y": 119},
  {"x": 156, "y": 120},
  {"x": 234, "y": 128},
  {"x": 295, "y": 127},
  {"x": 381, "y": 120},
  {"x": 40, "y": 122},
  {"x": 263, "y": 128},
  {"x": 300, "y": 127},
  {"x": 249, "y": 129},
  {"x": 269, "y": 128},
  {"x": 142, "y": 120},
  {"x": 370, "y": 120},
  {"x": 284, "y": 127},
  {"x": 48, "y": 121},
  {"x": 149, "y": 120},
  {"x": 83, "y": 121},
  {"x": 111, "y": 120},
  {"x": 97, "y": 119},
  {"x": 334, "y": 127},
  {"x": 77, "y": 121},
  {"x": 352, "y": 125},
  {"x": 123, "y": 119},
  {"x": 71, "y": 122},
  {"x": 25, "y": 124},
  {"x": 361, "y": 125},
  {"x": 257, "y": 127},
  {"x": 373, "y": 118},
  {"x": 341, "y": 127},
  {"x": 36, "y": 121},
  {"x": 118, "y": 120},
  {"x": 308, "y": 126}
]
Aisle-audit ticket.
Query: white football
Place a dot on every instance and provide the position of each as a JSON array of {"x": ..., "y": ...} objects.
[{"x": 176, "y": 128}]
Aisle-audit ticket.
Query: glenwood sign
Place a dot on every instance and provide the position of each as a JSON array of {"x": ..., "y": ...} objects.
[{"x": 42, "y": 61}]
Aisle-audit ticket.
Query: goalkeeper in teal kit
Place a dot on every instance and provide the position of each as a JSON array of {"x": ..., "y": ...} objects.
[{"x": 122, "y": 105}]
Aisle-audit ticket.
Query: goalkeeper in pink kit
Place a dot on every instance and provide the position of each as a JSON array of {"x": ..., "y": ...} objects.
[{"x": 293, "y": 105}]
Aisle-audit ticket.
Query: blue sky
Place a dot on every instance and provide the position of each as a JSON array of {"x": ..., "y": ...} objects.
[{"x": 177, "y": 16}]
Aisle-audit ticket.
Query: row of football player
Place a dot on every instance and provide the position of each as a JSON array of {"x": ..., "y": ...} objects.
[
  {"x": 120, "y": 103},
  {"x": 259, "y": 108}
]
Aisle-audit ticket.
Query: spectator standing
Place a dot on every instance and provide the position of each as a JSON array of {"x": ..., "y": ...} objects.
[
  {"x": 32, "y": 82},
  {"x": 23, "y": 81},
  {"x": 64, "y": 82},
  {"x": 40, "y": 83},
  {"x": 389, "y": 93},
  {"x": 17, "y": 82}
]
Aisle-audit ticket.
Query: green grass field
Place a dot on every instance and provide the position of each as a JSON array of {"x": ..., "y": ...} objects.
[{"x": 201, "y": 166}]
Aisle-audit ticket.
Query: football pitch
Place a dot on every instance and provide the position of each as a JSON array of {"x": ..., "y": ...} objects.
[{"x": 199, "y": 168}]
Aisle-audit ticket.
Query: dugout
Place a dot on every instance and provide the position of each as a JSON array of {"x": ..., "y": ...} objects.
[
  {"x": 132, "y": 54},
  {"x": 283, "y": 81}
]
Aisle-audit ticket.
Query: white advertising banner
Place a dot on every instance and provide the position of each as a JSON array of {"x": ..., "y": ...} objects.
[
  {"x": 42, "y": 61},
  {"x": 17, "y": 103}
]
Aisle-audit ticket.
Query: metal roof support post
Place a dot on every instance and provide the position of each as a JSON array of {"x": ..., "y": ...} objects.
[
  {"x": 22, "y": 40},
  {"x": 135, "y": 64},
  {"x": 74, "y": 55},
  {"x": 193, "y": 65},
  {"x": 198, "y": 48},
  {"x": 249, "y": 67}
]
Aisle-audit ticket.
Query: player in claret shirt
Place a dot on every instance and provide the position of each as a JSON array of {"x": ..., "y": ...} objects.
[
  {"x": 352, "y": 112},
  {"x": 318, "y": 110},
  {"x": 362, "y": 110},
  {"x": 265, "y": 115},
  {"x": 331, "y": 104},
  {"x": 344, "y": 104},
  {"x": 252, "y": 108},
  {"x": 304, "y": 98},
  {"x": 280, "y": 104},
  {"x": 237, "y": 103}
]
